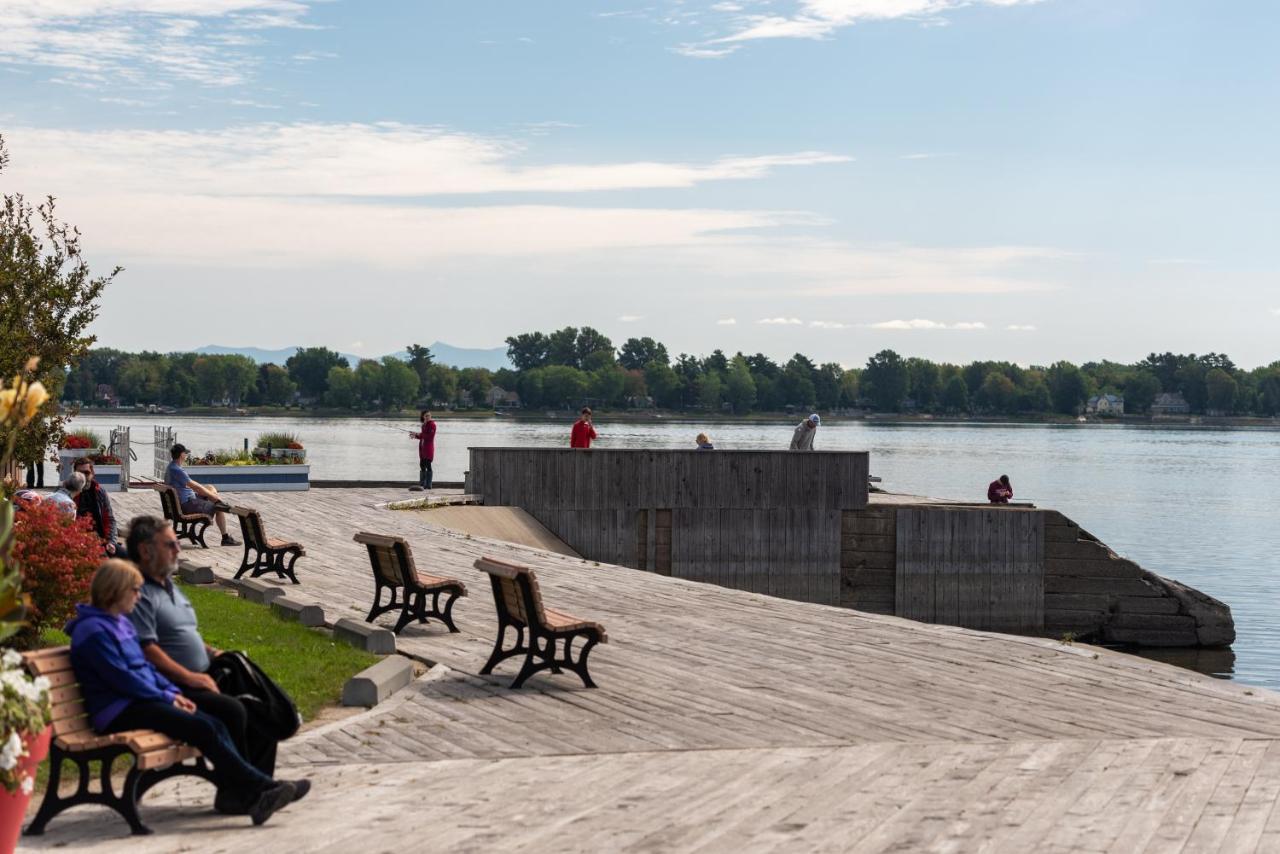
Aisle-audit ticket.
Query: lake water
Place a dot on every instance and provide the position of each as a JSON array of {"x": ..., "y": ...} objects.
[{"x": 1197, "y": 505}]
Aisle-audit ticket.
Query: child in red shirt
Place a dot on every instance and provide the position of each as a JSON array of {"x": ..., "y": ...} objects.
[{"x": 583, "y": 432}]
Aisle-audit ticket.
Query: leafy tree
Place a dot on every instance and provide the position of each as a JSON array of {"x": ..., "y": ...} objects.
[
  {"x": 211, "y": 381},
  {"x": 607, "y": 383},
  {"x": 48, "y": 299},
  {"x": 369, "y": 383},
  {"x": 762, "y": 365},
  {"x": 635, "y": 386},
  {"x": 1068, "y": 387},
  {"x": 477, "y": 381},
  {"x": 564, "y": 385},
  {"x": 1191, "y": 382},
  {"x": 716, "y": 362},
  {"x": 710, "y": 391},
  {"x": 420, "y": 359},
  {"x": 636, "y": 353},
  {"x": 795, "y": 385},
  {"x": 527, "y": 351},
  {"x": 142, "y": 378},
  {"x": 826, "y": 385},
  {"x": 955, "y": 394},
  {"x": 309, "y": 367},
  {"x": 663, "y": 383},
  {"x": 1140, "y": 391},
  {"x": 1034, "y": 396},
  {"x": 689, "y": 371},
  {"x": 398, "y": 386},
  {"x": 926, "y": 382},
  {"x": 562, "y": 347},
  {"x": 849, "y": 388},
  {"x": 1268, "y": 384},
  {"x": 239, "y": 373},
  {"x": 530, "y": 387},
  {"x": 1220, "y": 390},
  {"x": 997, "y": 392},
  {"x": 888, "y": 379},
  {"x": 442, "y": 384},
  {"x": 739, "y": 387},
  {"x": 275, "y": 385},
  {"x": 594, "y": 350},
  {"x": 342, "y": 392}
]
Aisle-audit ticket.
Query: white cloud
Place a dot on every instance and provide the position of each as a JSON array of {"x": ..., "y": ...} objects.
[
  {"x": 828, "y": 324},
  {"x": 781, "y": 321},
  {"x": 1275, "y": 311},
  {"x": 351, "y": 160},
  {"x": 919, "y": 323},
  {"x": 1020, "y": 327},
  {"x": 727, "y": 321},
  {"x": 818, "y": 19},
  {"x": 141, "y": 43},
  {"x": 630, "y": 318}
]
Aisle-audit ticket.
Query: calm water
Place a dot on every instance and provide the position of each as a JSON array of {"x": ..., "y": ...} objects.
[{"x": 1197, "y": 505}]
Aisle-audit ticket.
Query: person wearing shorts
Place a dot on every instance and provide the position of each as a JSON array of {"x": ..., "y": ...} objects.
[{"x": 196, "y": 497}]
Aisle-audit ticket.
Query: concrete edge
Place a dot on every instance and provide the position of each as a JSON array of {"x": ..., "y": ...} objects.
[
  {"x": 435, "y": 673},
  {"x": 310, "y": 615},
  {"x": 367, "y": 636},
  {"x": 377, "y": 682}
]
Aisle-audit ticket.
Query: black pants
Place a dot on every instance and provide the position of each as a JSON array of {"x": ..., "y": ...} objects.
[
  {"x": 256, "y": 746},
  {"x": 424, "y": 473},
  {"x": 233, "y": 773},
  {"x": 35, "y": 474}
]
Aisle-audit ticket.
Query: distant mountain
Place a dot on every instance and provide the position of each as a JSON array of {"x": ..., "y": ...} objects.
[{"x": 445, "y": 354}]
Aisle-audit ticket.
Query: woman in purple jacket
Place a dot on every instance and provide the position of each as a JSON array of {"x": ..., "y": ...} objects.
[{"x": 122, "y": 691}]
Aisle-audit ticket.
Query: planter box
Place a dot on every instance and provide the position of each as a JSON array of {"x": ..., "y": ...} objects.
[
  {"x": 109, "y": 477},
  {"x": 253, "y": 478},
  {"x": 67, "y": 458}
]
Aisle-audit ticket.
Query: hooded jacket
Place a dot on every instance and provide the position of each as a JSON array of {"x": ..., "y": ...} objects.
[
  {"x": 110, "y": 666},
  {"x": 95, "y": 504}
]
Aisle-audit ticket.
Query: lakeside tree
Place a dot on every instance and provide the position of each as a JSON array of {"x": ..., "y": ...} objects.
[
  {"x": 887, "y": 379},
  {"x": 48, "y": 298},
  {"x": 636, "y": 353},
  {"x": 1068, "y": 387},
  {"x": 309, "y": 368}
]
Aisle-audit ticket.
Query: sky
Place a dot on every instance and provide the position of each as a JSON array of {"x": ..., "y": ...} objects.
[{"x": 1029, "y": 180}]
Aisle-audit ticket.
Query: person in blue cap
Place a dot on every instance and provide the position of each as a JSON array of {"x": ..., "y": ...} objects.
[{"x": 806, "y": 430}]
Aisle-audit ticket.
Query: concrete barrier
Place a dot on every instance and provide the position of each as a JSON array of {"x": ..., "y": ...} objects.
[
  {"x": 257, "y": 591},
  {"x": 374, "y": 684},
  {"x": 365, "y": 636},
  {"x": 289, "y": 609},
  {"x": 195, "y": 574}
]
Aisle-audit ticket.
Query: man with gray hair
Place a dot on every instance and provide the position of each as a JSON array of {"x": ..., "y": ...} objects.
[
  {"x": 65, "y": 497},
  {"x": 170, "y": 637}
]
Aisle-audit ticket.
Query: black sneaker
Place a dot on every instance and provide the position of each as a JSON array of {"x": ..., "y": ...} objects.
[
  {"x": 300, "y": 789},
  {"x": 273, "y": 798},
  {"x": 228, "y": 540}
]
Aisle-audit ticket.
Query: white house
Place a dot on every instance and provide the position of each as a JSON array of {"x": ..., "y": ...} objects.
[{"x": 1105, "y": 404}]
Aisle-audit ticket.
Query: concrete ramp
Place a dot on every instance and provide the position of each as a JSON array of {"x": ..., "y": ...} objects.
[{"x": 509, "y": 524}]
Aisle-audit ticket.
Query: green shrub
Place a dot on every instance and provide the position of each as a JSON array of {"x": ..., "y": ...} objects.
[{"x": 277, "y": 439}]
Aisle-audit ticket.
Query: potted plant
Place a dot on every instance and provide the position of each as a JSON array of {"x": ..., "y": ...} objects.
[
  {"x": 251, "y": 471},
  {"x": 281, "y": 444},
  {"x": 24, "y": 702},
  {"x": 77, "y": 444},
  {"x": 108, "y": 470}
]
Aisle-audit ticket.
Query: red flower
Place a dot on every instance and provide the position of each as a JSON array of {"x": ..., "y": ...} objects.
[{"x": 57, "y": 556}]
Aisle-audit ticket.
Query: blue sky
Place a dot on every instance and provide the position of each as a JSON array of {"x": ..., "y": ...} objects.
[{"x": 989, "y": 179}]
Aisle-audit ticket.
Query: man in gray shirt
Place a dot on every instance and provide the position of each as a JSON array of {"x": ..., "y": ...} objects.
[
  {"x": 806, "y": 430},
  {"x": 170, "y": 638}
]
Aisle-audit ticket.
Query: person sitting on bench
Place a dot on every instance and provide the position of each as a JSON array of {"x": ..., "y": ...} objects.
[
  {"x": 195, "y": 497},
  {"x": 123, "y": 692}
]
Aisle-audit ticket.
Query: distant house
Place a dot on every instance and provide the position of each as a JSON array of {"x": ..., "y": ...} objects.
[
  {"x": 500, "y": 398},
  {"x": 1105, "y": 404},
  {"x": 1170, "y": 403}
]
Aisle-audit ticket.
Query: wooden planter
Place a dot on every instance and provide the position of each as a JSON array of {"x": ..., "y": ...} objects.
[
  {"x": 284, "y": 478},
  {"x": 67, "y": 458},
  {"x": 109, "y": 477}
]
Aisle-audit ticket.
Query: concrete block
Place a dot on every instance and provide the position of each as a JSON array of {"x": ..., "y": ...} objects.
[
  {"x": 257, "y": 591},
  {"x": 365, "y": 636},
  {"x": 193, "y": 574},
  {"x": 308, "y": 615},
  {"x": 374, "y": 684}
]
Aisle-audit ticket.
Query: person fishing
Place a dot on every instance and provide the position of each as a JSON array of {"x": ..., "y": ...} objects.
[
  {"x": 426, "y": 448},
  {"x": 999, "y": 491}
]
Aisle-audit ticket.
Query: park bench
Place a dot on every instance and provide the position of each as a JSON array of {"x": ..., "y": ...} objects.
[
  {"x": 394, "y": 570},
  {"x": 268, "y": 554},
  {"x": 188, "y": 526},
  {"x": 156, "y": 757},
  {"x": 519, "y": 602}
]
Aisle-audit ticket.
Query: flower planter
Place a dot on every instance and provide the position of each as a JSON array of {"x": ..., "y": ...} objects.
[
  {"x": 13, "y": 806},
  {"x": 282, "y": 478},
  {"x": 299, "y": 454},
  {"x": 109, "y": 477},
  {"x": 67, "y": 458}
]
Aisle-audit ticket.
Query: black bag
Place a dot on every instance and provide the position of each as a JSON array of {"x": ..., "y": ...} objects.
[{"x": 270, "y": 708}]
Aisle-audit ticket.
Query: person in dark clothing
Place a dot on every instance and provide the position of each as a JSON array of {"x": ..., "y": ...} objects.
[
  {"x": 1000, "y": 491},
  {"x": 96, "y": 504},
  {"x": 704, "y": 442},
  {"x": 35, "y": 473},
  {"x": 166, "y": 626},
  {"x": 426, "y": 448},
  {"x": 122, "y": 692}
]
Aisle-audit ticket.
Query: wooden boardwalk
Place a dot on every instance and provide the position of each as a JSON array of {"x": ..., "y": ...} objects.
[{"x": 729, "y": 720}]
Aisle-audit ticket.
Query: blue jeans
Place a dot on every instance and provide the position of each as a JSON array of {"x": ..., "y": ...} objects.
[{"x": 234, "y": 775}]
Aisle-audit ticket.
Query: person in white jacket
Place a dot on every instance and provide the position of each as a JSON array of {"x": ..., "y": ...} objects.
[{"x": 806, "y": 430}]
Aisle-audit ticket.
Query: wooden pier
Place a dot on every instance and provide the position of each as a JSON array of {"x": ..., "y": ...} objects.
[{"x": 728, "y": 720}]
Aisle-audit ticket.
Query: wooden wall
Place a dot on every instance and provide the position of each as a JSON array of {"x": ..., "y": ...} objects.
[
  {"x": 981, "y": 568},
  {"x": 766, "y": 521}
]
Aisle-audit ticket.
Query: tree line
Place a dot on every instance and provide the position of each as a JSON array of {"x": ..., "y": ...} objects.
[{"x": 572, "y": 366}]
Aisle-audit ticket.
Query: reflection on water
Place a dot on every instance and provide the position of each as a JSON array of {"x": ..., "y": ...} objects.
[
  {"x": 1219, "y": 663},
  {"x": 1198, "y": 505}
]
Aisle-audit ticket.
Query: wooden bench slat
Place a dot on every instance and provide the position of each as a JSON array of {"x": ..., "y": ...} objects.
[{"x": 49, "y": 665}]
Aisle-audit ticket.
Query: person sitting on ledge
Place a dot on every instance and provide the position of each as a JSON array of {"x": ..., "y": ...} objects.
[
  {"x": 704, "y": 442},
  {"x": 1000, "y": 491},
  {"x": 122, "y": 691},
  {"x": 806, "y": 430},
  {"x": 196, "y": 497}
]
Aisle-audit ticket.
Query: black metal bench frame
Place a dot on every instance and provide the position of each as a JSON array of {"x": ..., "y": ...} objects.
[
  {"x": 539, "y": 647},
  {"x": 188, "y": 526},
  {"x": 266, "y": 558},
  {"x": 125, "y": 802},
  {"x": 410, "y": 595}
]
